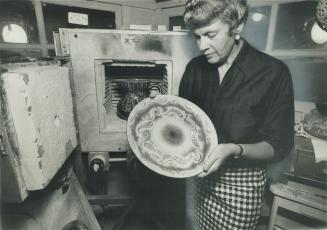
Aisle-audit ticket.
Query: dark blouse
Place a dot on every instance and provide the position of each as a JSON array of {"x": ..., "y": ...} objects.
[{"x": 254, "y": 102}]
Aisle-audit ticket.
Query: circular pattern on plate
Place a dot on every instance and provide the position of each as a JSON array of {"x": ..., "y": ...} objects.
[{"x": 171, "y": 135}]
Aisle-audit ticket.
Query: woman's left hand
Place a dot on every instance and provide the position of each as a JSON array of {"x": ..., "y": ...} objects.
[{"x": 216, "y": 157}]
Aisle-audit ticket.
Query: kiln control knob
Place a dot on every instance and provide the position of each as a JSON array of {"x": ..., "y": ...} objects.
[
  {"x": 97, "y": 165},
  {"x": 98, "y": 162}
]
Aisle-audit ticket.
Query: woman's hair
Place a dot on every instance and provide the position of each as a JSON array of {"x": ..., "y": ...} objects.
[{"x": 199, "y": 13}]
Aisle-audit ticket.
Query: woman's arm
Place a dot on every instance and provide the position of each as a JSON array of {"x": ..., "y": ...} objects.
[{"x": 261, "y": 151}]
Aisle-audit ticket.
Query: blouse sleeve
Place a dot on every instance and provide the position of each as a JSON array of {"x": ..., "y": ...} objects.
[{"x": 278, "y": 124}]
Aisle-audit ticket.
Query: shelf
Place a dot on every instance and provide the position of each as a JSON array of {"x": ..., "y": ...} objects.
[{"x": 284, "y": 223}]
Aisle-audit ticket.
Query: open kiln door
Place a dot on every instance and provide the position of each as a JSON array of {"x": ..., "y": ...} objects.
[{"x": 37, "y": 136}]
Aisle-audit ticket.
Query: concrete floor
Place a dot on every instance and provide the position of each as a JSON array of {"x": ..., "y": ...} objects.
[
  {"x": 140, "y": 221},
  {"x": 136, "y": 221},
  {"x": 158, "y": 203}
]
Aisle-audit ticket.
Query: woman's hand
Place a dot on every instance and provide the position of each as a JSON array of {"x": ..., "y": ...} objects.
[{"x": 217, "y": 156}]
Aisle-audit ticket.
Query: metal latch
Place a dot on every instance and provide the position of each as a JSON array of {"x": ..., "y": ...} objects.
[{"x": 2, "y": 147}]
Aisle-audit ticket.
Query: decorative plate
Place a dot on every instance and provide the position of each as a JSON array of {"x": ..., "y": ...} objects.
[{"x": 171, "y": 135}]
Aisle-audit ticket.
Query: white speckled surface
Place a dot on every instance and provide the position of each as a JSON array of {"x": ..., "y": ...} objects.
[{"x": 40, "y": 112}]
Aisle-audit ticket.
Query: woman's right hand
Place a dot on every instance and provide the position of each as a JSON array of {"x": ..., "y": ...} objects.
[{"x": 216, "y": 158}]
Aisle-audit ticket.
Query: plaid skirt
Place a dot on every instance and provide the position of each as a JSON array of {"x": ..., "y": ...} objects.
[{"x": 230, "y": 198}]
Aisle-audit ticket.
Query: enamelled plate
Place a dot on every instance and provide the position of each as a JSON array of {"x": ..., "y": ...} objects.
[{"x": 171, "y": 135}]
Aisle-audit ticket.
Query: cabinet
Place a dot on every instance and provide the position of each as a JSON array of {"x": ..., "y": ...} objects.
[{"x": 41, "y": 17}]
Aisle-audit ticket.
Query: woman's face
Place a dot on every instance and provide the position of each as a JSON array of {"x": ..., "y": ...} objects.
[{"x": 215, "y": 41}]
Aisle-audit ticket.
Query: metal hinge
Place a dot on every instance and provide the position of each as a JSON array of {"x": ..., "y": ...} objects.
[{"x": 2, "y": 147}]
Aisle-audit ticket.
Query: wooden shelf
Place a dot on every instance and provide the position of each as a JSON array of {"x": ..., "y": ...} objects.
[{"x": 298, "y": 198}]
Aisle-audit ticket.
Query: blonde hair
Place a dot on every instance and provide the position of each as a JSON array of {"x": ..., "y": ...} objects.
[{"x": 199, "y": 13}]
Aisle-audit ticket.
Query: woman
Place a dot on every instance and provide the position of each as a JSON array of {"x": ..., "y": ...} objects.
[{"x": 248, "y": 95}]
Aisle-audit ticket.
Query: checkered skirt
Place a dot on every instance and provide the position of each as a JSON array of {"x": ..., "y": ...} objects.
[{"x": 230, "y": 198}]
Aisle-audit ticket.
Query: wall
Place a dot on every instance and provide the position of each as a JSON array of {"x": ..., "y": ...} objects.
[{"x": 136, "y": 15}]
